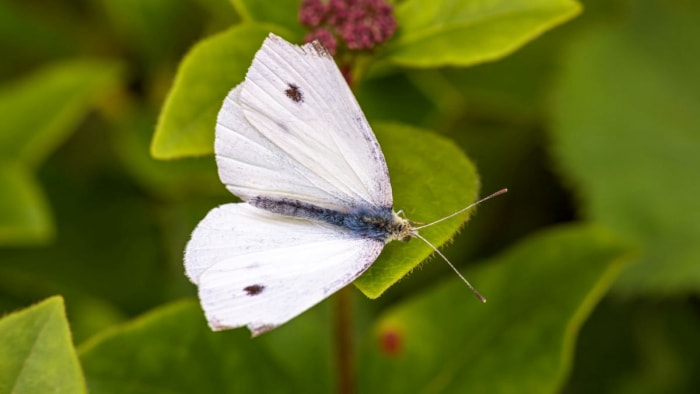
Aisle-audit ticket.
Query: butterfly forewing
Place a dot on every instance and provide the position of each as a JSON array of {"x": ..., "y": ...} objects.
[
  {"x": 251, "y": 165},
  {"x": 298, "y": 105}
]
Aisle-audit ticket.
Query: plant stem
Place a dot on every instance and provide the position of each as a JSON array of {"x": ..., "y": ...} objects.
[{"x": 344, "y": 341}]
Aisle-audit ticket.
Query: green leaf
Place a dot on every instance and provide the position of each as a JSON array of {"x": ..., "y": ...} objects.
[
  {"x": 41, "y": 110},
  {"x": 24, "y": 215},
  {"x": 539, "y": 292},
  {"x": 281, "y": 12},
  {"x": 626, "y": 137},
  {"x": 431, "y": 178},
  {"x": 37, "y": 354},
  {"x": 440, "y": 33},
  {"x": 172, "y": 350},
  {"x": 207, "y": 73}
]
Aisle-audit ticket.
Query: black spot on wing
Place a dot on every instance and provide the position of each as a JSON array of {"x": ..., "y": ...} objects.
[
  {"x": 253, "y": 290},
  {"x": 294, "y": 93}
]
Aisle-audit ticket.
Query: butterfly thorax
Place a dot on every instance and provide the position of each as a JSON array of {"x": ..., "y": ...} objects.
[{"x": 380, "y": 223}]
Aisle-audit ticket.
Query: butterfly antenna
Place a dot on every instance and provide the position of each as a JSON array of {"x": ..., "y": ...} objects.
[
  {"x": 498, "y": 193},
  {"x": 436, "y": 250}
]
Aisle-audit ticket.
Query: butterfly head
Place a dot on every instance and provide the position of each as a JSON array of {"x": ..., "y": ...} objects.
[{"x": 401, "y": 229}]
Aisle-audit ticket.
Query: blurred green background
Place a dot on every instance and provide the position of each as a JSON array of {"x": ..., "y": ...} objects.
[{"x": 594, "y": 254}]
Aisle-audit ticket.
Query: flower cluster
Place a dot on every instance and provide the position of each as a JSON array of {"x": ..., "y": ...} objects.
[{"x": 356, "y": 24}]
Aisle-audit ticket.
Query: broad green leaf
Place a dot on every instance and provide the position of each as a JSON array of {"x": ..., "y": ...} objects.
[
  {"x": 280, "y": 12},
  {"x": 41, "y": 110},
  {"x": 173, "y": 350},
  {"x": 24, "y": 215},
  {"x": 539, "y": 292},
  {"x": 431, "y": 178},
  {"x": 207, "y": 73},
  {"x": 462, "y": 33},
  {"x": 37, "y": 354},
  {"x": 626, "y": 137}
]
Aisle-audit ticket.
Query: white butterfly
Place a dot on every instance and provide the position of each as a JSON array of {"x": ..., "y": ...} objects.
[{"x": 292, "y": 142}]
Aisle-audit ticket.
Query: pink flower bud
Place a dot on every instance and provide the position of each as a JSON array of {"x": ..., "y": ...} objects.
[{"x": 325, "y": 37}]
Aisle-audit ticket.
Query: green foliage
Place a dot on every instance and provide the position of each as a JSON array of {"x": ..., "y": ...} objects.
[
  {"x": 32, "y": 124},
  {"x": 440, "y": 33},
  {"x": 32, "y": 128},
  {"x": 526, "y": 336},
  {"x": 630, "y": 148},
  {"x": 37, "y": 354},
  {"x": 593, "y": 128}
]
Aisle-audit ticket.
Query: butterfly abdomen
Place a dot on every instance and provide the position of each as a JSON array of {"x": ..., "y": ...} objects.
[{"x": 366, "y": 222}]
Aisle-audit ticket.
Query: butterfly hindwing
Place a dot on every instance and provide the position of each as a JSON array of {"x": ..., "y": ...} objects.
[{"x": 259, "y": 269}]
